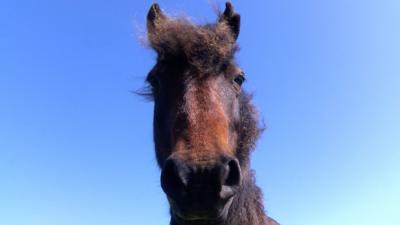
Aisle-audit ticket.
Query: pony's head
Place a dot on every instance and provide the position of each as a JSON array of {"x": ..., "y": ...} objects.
[{"x": 204, "y": 125}]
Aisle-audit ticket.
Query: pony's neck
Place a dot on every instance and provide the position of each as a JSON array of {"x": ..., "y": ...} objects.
[{"x": 247, "y": 207}]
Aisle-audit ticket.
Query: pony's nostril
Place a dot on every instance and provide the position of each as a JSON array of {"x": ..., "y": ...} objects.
[
  {"x": 233, "y": 177},
  {"x": 231, "y": 180},
  {"x": 173, "y": 177}
]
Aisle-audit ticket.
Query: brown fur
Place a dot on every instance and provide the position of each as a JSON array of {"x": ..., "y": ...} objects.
[{"x": 203, "y": 125}]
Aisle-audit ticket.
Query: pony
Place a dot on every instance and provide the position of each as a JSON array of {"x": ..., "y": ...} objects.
[{"x": 204, "y": 124}]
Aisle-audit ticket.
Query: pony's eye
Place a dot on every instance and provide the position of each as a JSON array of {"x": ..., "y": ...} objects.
[
  {"x": 239, "y": 79},
  {"x": 153, "y": 81}
]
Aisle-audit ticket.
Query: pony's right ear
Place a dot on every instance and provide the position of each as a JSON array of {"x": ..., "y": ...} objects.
[
  {"x": 232, "y": 19},
  {"x": 155, "y": 18}
]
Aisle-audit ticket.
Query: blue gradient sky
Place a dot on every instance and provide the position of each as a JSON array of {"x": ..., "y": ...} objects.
[{"x": 76, "y": 145}]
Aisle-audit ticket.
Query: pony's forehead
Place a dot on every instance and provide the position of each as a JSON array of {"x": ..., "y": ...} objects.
[{"x": 186, "y": 72}]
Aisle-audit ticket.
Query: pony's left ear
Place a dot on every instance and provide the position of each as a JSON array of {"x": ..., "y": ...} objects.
[
  {"x": 232, "y": 19},
  {"x": 155, "y": 19}
]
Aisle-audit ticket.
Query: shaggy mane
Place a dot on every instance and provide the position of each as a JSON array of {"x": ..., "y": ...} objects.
[{"x": 201, "y": 46}]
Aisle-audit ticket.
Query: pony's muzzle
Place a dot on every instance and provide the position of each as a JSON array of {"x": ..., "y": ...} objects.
[{"x": 200, "y": 191}]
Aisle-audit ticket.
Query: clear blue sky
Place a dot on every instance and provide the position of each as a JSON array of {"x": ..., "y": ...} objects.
[{"x": 76, "y": 145}]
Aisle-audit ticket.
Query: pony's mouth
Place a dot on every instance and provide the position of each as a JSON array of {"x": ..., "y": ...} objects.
[
  {"x": 216, "y": 215},
  {"x": 199, "y": 218}
]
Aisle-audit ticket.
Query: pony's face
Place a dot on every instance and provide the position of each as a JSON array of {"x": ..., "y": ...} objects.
[
  {"x": 195, "y": 129},
  {"x": 196, "y": 87}
]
